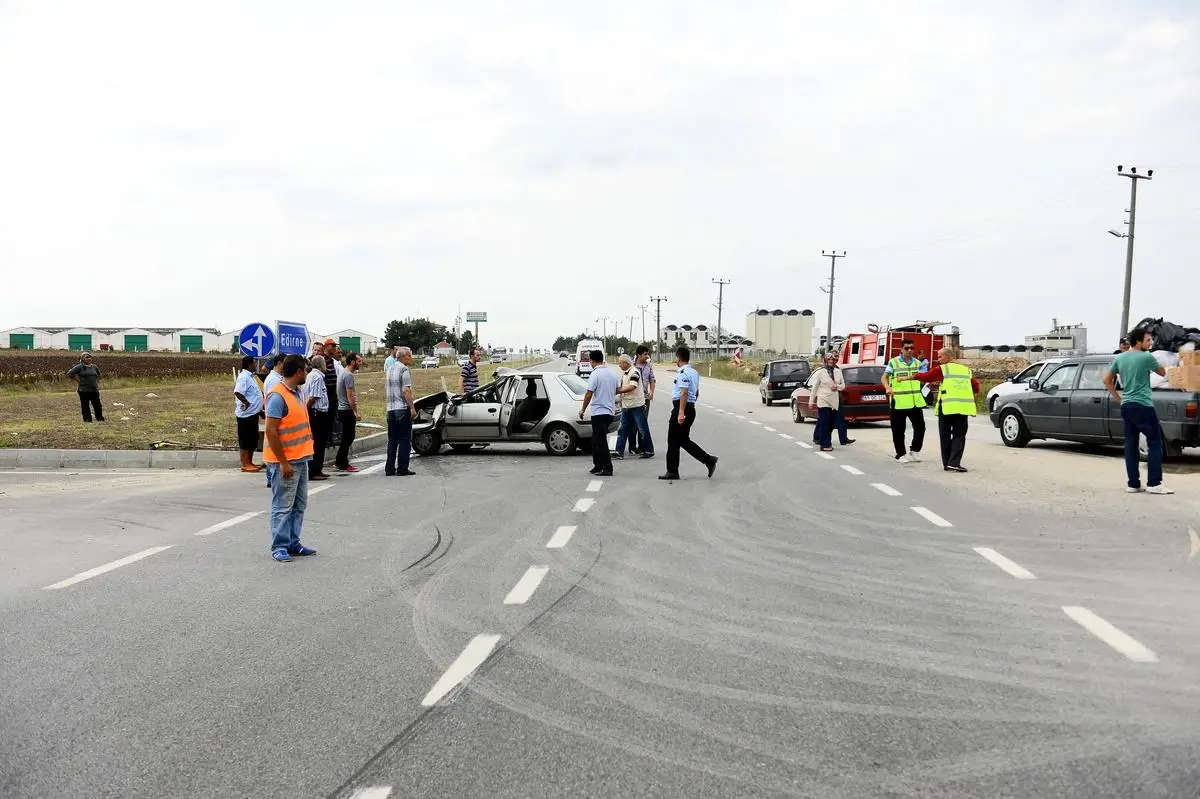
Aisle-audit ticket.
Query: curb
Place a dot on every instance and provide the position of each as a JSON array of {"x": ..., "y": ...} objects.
[{"x": 145, "y": 459}]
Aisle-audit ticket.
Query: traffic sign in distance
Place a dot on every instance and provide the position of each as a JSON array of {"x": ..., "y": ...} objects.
[
  {"x": 476, "y": 316},
  {"x": 292, "y": 338},
  {"x": 257, "y": 340}
]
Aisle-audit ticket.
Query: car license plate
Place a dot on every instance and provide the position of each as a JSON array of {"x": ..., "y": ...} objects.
[
  {"x": 874, "y": 397},
  {"x": 789, "y": 385}
]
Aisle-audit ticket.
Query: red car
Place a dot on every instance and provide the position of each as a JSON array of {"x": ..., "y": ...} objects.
[{"x": 864, "y": 400}]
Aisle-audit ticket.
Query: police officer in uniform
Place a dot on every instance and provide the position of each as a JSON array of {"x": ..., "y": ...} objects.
[{"x": 907, "y": 404}]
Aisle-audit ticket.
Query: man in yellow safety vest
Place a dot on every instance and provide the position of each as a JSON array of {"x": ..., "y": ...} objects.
[
  {"x": 955, "y": 406},
  {"x": 907, "y": 404}
]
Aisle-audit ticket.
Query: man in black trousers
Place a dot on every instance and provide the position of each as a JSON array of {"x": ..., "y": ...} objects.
[
  {"x": 683, "y": 415},
  {"x": 602, "y": 397}
]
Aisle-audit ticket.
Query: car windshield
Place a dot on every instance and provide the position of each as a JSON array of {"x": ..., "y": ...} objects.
[
  {"x": 863, "y": 376},
  {"x": 791, "y": 369},
  {"x": 576, "y": 385}
]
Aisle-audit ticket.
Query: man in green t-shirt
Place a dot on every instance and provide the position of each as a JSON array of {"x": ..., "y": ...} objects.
[{"x": 1137, "y": 410}]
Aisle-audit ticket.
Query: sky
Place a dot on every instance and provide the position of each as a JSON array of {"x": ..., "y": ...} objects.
[{"x": 552, "y": 163}]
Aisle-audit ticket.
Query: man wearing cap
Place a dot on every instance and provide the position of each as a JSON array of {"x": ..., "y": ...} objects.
[{"x": 287, "y": 454}]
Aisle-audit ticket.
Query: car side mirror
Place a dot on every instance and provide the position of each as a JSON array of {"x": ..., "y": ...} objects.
[
  {"x": 1050, "y": 389},
  {"x": 763, "y": 373},
  {"x": 1035, "y": 385}
]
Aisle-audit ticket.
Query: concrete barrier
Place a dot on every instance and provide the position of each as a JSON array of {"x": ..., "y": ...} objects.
[{"x": 148, "y": 459}]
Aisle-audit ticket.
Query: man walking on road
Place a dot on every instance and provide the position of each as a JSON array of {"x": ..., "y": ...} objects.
[
  {"x": 826, "y": 397},
  {"x": 904, "y": 394},
  {"x": 400, "y": 412},
  {"x": 646, "y": 377},
  {"x": 1137, "y": 410},
  {"x": 287, "y": 454},
  {"x": 633, "y": 410},
  {"x": 249, "y": 405},
  {"x": 683, "y": 415},
  {"x": 601, "y": 396},
  {"x": 955, "y": 406},
  {"x": 347, "y": 399},
  {"x": 468, "y": 376},
  {"x": 317, "y": 399}
]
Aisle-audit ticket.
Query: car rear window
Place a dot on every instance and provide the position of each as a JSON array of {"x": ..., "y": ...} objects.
[
  {"x": 863, "y": 375},
  {"x": 576, "y": 385},
  {"x": 797, "y": 370}
]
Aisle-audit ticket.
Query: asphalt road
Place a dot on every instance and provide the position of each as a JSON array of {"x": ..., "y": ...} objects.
[{"x": 796, "y": 626}]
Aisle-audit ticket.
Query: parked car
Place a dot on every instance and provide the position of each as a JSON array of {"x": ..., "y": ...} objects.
[
  {"x": 515, "y": 408},
  {"x": 430, "y": 363},
  {"x": 496, "y": 358},
  {"x": 1019, "y": 382},
  {"x": 463, "y": 360},
  {"x": 781, "y": 378},
  {"x": 1070, "y": 403},
  {"x": 864, "y": 400}
]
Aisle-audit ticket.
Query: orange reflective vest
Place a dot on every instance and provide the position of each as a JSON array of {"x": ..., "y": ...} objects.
[{"x": 294, "y": 432}]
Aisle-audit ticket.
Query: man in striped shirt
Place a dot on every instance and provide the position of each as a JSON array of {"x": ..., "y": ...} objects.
[{"x": 468, "y": 377}]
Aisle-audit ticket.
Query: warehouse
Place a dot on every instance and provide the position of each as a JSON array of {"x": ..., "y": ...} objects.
[
  {"x": 129, "y": 339},
  {"x": 353, "y": 341},
  {"x": 780, "y": 332}
]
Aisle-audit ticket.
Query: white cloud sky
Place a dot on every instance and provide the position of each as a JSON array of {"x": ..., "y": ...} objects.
[{"x": 164, "y": 163}]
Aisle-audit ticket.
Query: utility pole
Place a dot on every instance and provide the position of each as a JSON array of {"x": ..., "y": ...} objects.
[
  {"x": 604, "y": 338},
  {"x": 1134, "y": 177},
  {"x": 658, "y": 301},
  {"x": 832, "y": 255},
  {"x": 631, "y": 318},
  {"x": 721, "y": 284},
  {"x": 643, "y": 308}
]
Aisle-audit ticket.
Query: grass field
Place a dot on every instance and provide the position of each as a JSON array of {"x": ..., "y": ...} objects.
[{"x": 195, "y": 411}]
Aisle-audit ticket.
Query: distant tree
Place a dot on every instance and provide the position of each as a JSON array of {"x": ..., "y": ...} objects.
[
  {"x": 466, "y": 342},
  {"x": 395, "y": 334}
]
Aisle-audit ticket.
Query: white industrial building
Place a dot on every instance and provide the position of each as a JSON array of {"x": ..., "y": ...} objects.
[
  {"x": 701, "y": 340},
  {"x": 780, "y": 331},
  {"x": 131, "y": 339},
  {"x": 353, "y": 341}
]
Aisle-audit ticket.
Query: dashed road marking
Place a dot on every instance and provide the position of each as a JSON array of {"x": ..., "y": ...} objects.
[
  {"x": 825, "y": 455},
  {"x": 595, "y": 485},
  {"x": 374, "y": 792},
  {"x": 770, "y": 429},
  {"x": 1110, "y": 635},
  {"x": 931, "y": 516},
  {"x": 107, "y": 567},
  {"x": 785, "y": 435},
  {"x": 560, "y": 538},
  {"x": 320, "y": 488},
  {"x": 464, "y": 666},
  {"x": 583, "y": 505},
  {"x": 886, "y": 489},
  {"x": 225, "y": 525},
  {"x": 805, "y": 444},
  {"x": 851, "y": 469},
  {"x": 525, "y": 587},
  {"x": 751, "y": 421},
  {"x": 1016, "y": 570},
  {"x": 370, "y": 469},
  {"x": 739, "y": 416}
]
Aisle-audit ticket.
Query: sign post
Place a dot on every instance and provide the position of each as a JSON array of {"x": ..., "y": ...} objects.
[
  {"x": 292, "y": 337},
  {"x": 476, "y": 317},
  {"x": 257, "y": 340}
]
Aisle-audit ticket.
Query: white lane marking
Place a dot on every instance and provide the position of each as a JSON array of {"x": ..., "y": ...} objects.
[
  {"x": 1110, "y": 635},
  {"x": 471, "y": 658},
  {"x": 785, "y": 435},
  {"x": 374, "y": 468},
  {"x": 525, "y": 587},
  {"x": 825, "y": 455},
  {"x": 751, "y": 421},
  {"x": 560, "y": 538},
  {"x": 107, "y": 567},
  {"x": 931, "y": 516},
  {"x": 219, "y": 526},
  {"x": 319, "y": 489},
  {"x": 851, "y": 469},
  {"x": 1009, "y": 566},
  {"x": 369, "y": 458},
  {"x": 805, "y": 444},
  {"x": 374, "y": 792},
  {"x": 583, "y": 505},
  {"x": 738, "y": 416},
  {"x": 886, "y": 489},
  {"x": 770, "y": 429},
  {"x": 1195, "y": 539},
  {"x": 594, "y": 486}
]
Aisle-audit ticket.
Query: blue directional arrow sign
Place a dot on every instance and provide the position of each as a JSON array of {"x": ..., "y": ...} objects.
[
  {"x": 292, "y": 337},
  {"x": 257, "y": 340}
]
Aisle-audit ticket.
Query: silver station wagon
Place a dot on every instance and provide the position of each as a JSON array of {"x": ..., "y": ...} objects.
[{"x": 515, "y": 408}]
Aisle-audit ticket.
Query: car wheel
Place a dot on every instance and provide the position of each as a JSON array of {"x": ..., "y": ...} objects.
[
  {"x": 797, "y": 414},
  {"x": 768, "y": 402},
  {"x": 1013, "y": 430},
  {"x": 461, "y": 447},
  {"x": 427, "y": 442},
  {"x": 1171, "y": 449},
  {"x": 561, "y": 439}
]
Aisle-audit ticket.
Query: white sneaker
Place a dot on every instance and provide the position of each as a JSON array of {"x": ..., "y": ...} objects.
[
  {"x": 1159, "y": 489},
  {"x": 1132, "y": 490},
  {"x": 915, "y": 457},
  {"x": 906, "y": 459}
]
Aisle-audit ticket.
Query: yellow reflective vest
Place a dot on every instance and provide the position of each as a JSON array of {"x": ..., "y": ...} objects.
[
  {"x": 955, "y": 395},
  {"x": 906, "y": 392}
]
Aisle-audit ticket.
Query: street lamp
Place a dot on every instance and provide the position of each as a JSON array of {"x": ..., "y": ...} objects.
[{"x": 1134, "y": 176}]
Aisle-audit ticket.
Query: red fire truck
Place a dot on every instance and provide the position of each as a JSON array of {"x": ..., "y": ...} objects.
[{"x": 878, "y": 346}]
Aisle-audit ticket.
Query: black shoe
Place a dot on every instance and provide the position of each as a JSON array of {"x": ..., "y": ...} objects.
[
  {"x": 668, "y": 476},
  {"x": 962, "y": 469},
  {"x": 593, "y": 470},
  {"x": 605, "y": 473},
  {"x": 712, "y": 466},
  {"x": 848, "y": 441},
  {"x": 385, "y": 474},
  {"x": 646, "y": 455},
  {"x": 405, "y": 473},
  {"x": 619, "y": 455}
]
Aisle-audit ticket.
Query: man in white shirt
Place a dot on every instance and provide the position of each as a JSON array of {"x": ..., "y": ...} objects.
[
  {"x": 247, "y": 409},
  {"x": 316, "y": 397}
]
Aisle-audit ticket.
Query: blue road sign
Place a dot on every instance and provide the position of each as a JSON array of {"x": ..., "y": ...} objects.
[
  {"x": 292, "y": 337},
  {"x": 257, "y": 340}
]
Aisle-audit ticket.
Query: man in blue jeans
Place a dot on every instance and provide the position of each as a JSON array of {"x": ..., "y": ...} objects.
[
  {"x": 632, "y": 399},
  {"x": 400, "y": 414},
  {"x": 1137, "y": 410}
]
